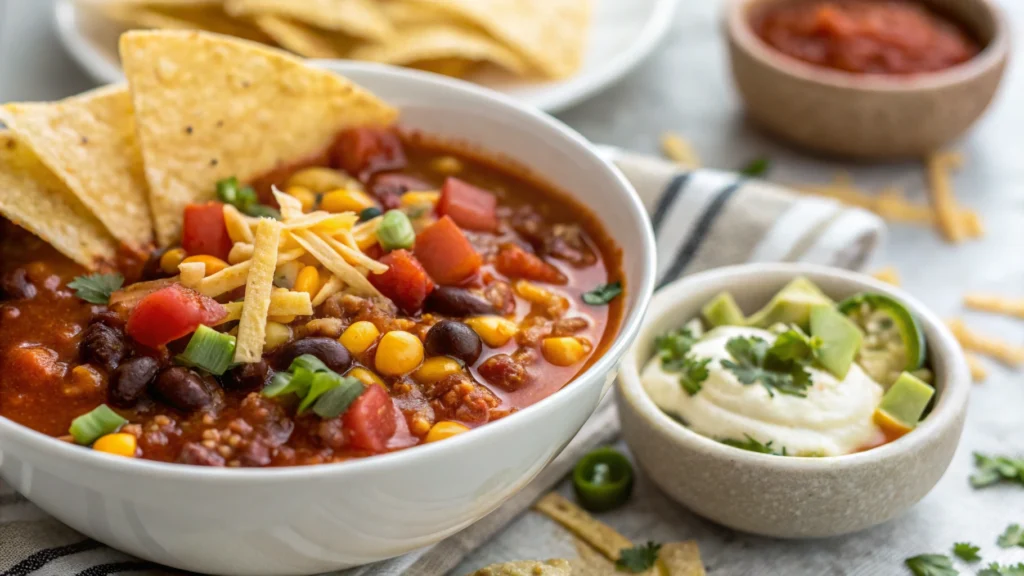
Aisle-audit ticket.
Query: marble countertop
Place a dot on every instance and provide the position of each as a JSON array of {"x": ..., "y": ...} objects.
[{"x": 685, "y": 87}]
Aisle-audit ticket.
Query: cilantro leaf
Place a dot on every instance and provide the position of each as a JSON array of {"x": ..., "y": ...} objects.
[
  {"x": 1012, "y": 536},
  {"x": 994, "y": 569},
  {"x": 96, "y": 288},
  {"x": 756, "y": 167},
  {"x": 673, "y": 346},
  {"x": 603, "y": 294},
  {"x": 795, "y": 345},
  {"x": 694, "y": 373},
  {"x": 753, "y": 445},
  {"x": 638, "y": 558},
  {"x": 993, "y": 469},
  {"x": 754, "y": 364},
  {"x": 966, "y": 551},
  {"x": 931, "y": 565}
]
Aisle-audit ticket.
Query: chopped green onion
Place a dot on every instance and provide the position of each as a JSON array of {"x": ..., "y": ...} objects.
[
  {"x": 336, "y": 401},
  {"x": 230, "y": 191},
  {"x": 262, "y": 211},
  {"x": 395, "y": 231},
  {"x": 323, "y": 383},
  {"x": 285, "y": 383},
  {"x": 308, "y": 362},
  {"x": 90, "y": 427},
  {"x": 756, "y": 167},
  {"x": 96, "y": 288},
  {"x": 603, "y": 294},
  {"x": 602, "y": 480},
  {"x": 369, "y": 213},
  {"x": 209, "y": 350}
]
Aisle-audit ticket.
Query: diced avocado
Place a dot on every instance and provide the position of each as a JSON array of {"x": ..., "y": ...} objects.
[
  {"x": 894, "y": 340},
  {"x": 792, "y": 305},
  {"x": 722, "y": 310},
  {"x": 903, "y": 405},
  {"x": 840, "y": 339}
]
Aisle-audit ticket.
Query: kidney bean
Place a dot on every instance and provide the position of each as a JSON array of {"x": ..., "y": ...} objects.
[
  {"x": 455, "y": 339},
  {"x": 103, "y": 345},
  {"x": 328, "y": 350},
  {"x": 129, "y": 381},
  {"x": 457, "y": 302},
  {"x": 15, "y": 285},
  {"x": 182, "y": 388},
  {"x": 253, "y": 376}
]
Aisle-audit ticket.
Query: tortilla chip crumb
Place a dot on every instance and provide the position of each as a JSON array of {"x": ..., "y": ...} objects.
[
  {"x": 603, "y": 538},
  {"x": 943, "y": 199},
  {"x": 990, "y": 346},
  {"x": 682, "y": 559},
  {"x": 996, "y": 304},
  {"x": 889, "y": 275},
  {"x": 978, "y": 371},
  {"x": 679, "y": 150}
]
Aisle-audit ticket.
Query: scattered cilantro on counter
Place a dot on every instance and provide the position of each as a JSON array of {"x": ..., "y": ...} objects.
[
  {"x": 1012, "y": 536},
  {"x": 931, "y": 565},
  {"x": 995, "y": 569},
  {"x": 755, "y": 362},
  {"x": 966, "y": 551},
  {"x": 994, "y": 469},
  {"x": 756, "y": 167},
  {"x": 638, "y": 558}
]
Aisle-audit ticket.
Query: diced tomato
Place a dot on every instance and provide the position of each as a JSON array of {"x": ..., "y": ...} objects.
[
  {"x": 171, "y": 313},
  {"x": 205, "y": 232},
  {"x": 370, "y": 421},
  {"x": 365, "y": 151},
  {"x": 446, "y": 253},
  {"x": 406, "y": 282},
  {"x": 515, "y": 262},
  {"x": 470, "y": 207}
]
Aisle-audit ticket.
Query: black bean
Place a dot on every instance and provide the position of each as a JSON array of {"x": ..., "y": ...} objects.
[
  {"x": 182, "y": 388},
  {"x": 457, "y": 302},
  {"x": 328, "y": 350},
  {"x": 103, "y": 345},
  {"x": 129, "y": 381},
  {"x": 152, "y": 270},
  {"x": 455, "y": 339},
  {"x": 254, "y": 376},
  {"x": 15, "y": 285}
]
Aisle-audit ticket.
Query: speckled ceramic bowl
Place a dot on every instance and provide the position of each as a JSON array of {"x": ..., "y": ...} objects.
[
  {"x": 778, "y": 496},
  {"x": 871, "y": 117}
]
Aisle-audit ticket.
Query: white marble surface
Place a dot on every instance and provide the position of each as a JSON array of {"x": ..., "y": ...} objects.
[{"x": 685, "y": 87}]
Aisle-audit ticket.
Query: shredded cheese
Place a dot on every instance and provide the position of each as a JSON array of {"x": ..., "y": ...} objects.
[
  {"x": 237, "y": 224},
  {"x": 252, "y": 326},
  {"x": 996, "y": 304},
  {"x": 322, "y": 220},
  {"x": 678, "y": 150},
  {"x": 986, "y": 345},
  {"x": 889, "y": 275},
  {"x": 291, "y": 207},
  {"x": 330, "y": 288},
  {"x": 332, "y": 261},
  {"x": 978, "y": 371},
  {"x": 940, "y": 189},
  {"x": 355, "y": 257}
]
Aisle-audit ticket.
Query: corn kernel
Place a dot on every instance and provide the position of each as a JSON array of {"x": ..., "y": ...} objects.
[
  {"x": 398, "y": 352},
  {"x": 359, "y": 336},
  {"x": 320, "y": 179},
  {"x": 282, "y": 319},
  {"x": 447, "y": 165},
  {"x": 495, "y": 331},
  {"x": 444, "y": 430},
  {"x": 308, "y": 281},
  {"x": 563, "y": 350},
  {"x": 169, "y": 260},
  {"x": 304, "y": 195},
  {"x": 436, "y": 369},
  {"x": 119, "y": 444},
  {"x": 532, "y": 293},
  {"x": 277, "y": 335},
  {"x": 366, "y": 377},
  {"x": 346, "y": 201},
  {"x": 213, "y": 264},
  {"x": 420, "y": 198}
]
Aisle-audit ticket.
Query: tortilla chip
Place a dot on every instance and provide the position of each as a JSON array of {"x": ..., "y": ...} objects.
[
  {"x": 359, "y": 18},
  {"x": 297, "y": 38},
  {"x": 527, "y": 568},
  {"x": 682, "y": 558},
  {"x": 550, "y": 34},
  {"x": 590, "y": 561},
  {"x": 210, "y": 107},
  {"x": 34, "y": 198},
  {"x": 603, "y": 538},
  {"x": 441, "y": 41},
  {"x": 89, "y": 142},
  {"x": 252, "y": 326},
  {"x": 183, "y": 17}
]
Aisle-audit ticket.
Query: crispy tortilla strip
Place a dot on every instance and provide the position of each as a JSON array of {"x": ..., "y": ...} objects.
[
  {"x": 359, "y": 18},
  {"x": 682, "y": 559},
  {"x": 940, "y": 189},
  {"x": 330, "y": 288},
  {"x": 550, "y": 34},
  {"x": 298, "y": 38},
  {"x": 590, "y": 561},
  {"x": 679, "y": 150},
  {"x": 34, "y": 198},
  {"x": 995, "y": 303},
  {"x": 291, "y": 207},
  {"x": 995, "y": 348},
  {"x": 889, "y": 275},
  {"x": 210, "y": 107},
  {"x": 252, "y": 326},
  {"x": 191, "y": 273},
  {"x": 88, "y": 141},
  {"x": 978, "y": 371},
  {"x": 426, "y": 44},
  {"x": 237, "y": 225},
  {"x": 337, "y": 265},
  {"x": 527, "y": 568},
  {"x": 355, "y": 257},
  {"x": 282, "y": 303},
  {"x": 322, "y": 220},
  {"x": 224, "y": 281},
  {"x": 603, "y": 538}
]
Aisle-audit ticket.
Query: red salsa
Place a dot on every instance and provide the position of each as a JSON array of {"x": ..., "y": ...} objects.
[
  {"x": 895, "y": 37},
  {"x": 482, "y": 270}
]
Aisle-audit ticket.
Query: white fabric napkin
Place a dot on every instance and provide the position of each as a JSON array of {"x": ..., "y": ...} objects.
[{"x": 702, "y": 219}]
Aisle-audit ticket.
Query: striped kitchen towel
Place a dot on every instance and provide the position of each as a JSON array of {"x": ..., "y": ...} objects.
[{"x": 702, "y": 219}]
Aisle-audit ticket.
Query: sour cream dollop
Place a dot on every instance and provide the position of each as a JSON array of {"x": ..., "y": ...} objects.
[{"x": 835, "y": 418}]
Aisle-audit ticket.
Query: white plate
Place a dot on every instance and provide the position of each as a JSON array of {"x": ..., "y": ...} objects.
[{"x": 623, "y": 33}]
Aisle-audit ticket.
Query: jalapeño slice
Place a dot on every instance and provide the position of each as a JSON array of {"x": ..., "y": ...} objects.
[
  {"x": 602, "y": 480},
  {"x": 893, "y": 340}
]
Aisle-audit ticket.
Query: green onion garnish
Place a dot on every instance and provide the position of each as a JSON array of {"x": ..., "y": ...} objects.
[
  {"x": 308, "y": 362},
  {"x": 323, "y": 382},
  {"x": 336, "y": 401},
  {"x": 369, "y": 214},
  {"x": 90, "y": 427},
  {"x": 230, "y": 191},
  {"x": 209, "y": 350},
  {"x": 395, "y": 231},
  {"x": 285, "y": 383},
  {"x": 262, "y": 211}
]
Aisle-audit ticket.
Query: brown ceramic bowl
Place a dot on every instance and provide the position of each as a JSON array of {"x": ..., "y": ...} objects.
[{"x": 867, "y": 116}]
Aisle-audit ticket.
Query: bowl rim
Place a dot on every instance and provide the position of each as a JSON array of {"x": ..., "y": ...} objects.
[
  {"x": 943, "y": 349},
  {"x": 739, "y": 30},
  {"x": 49, "y": 447}
]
